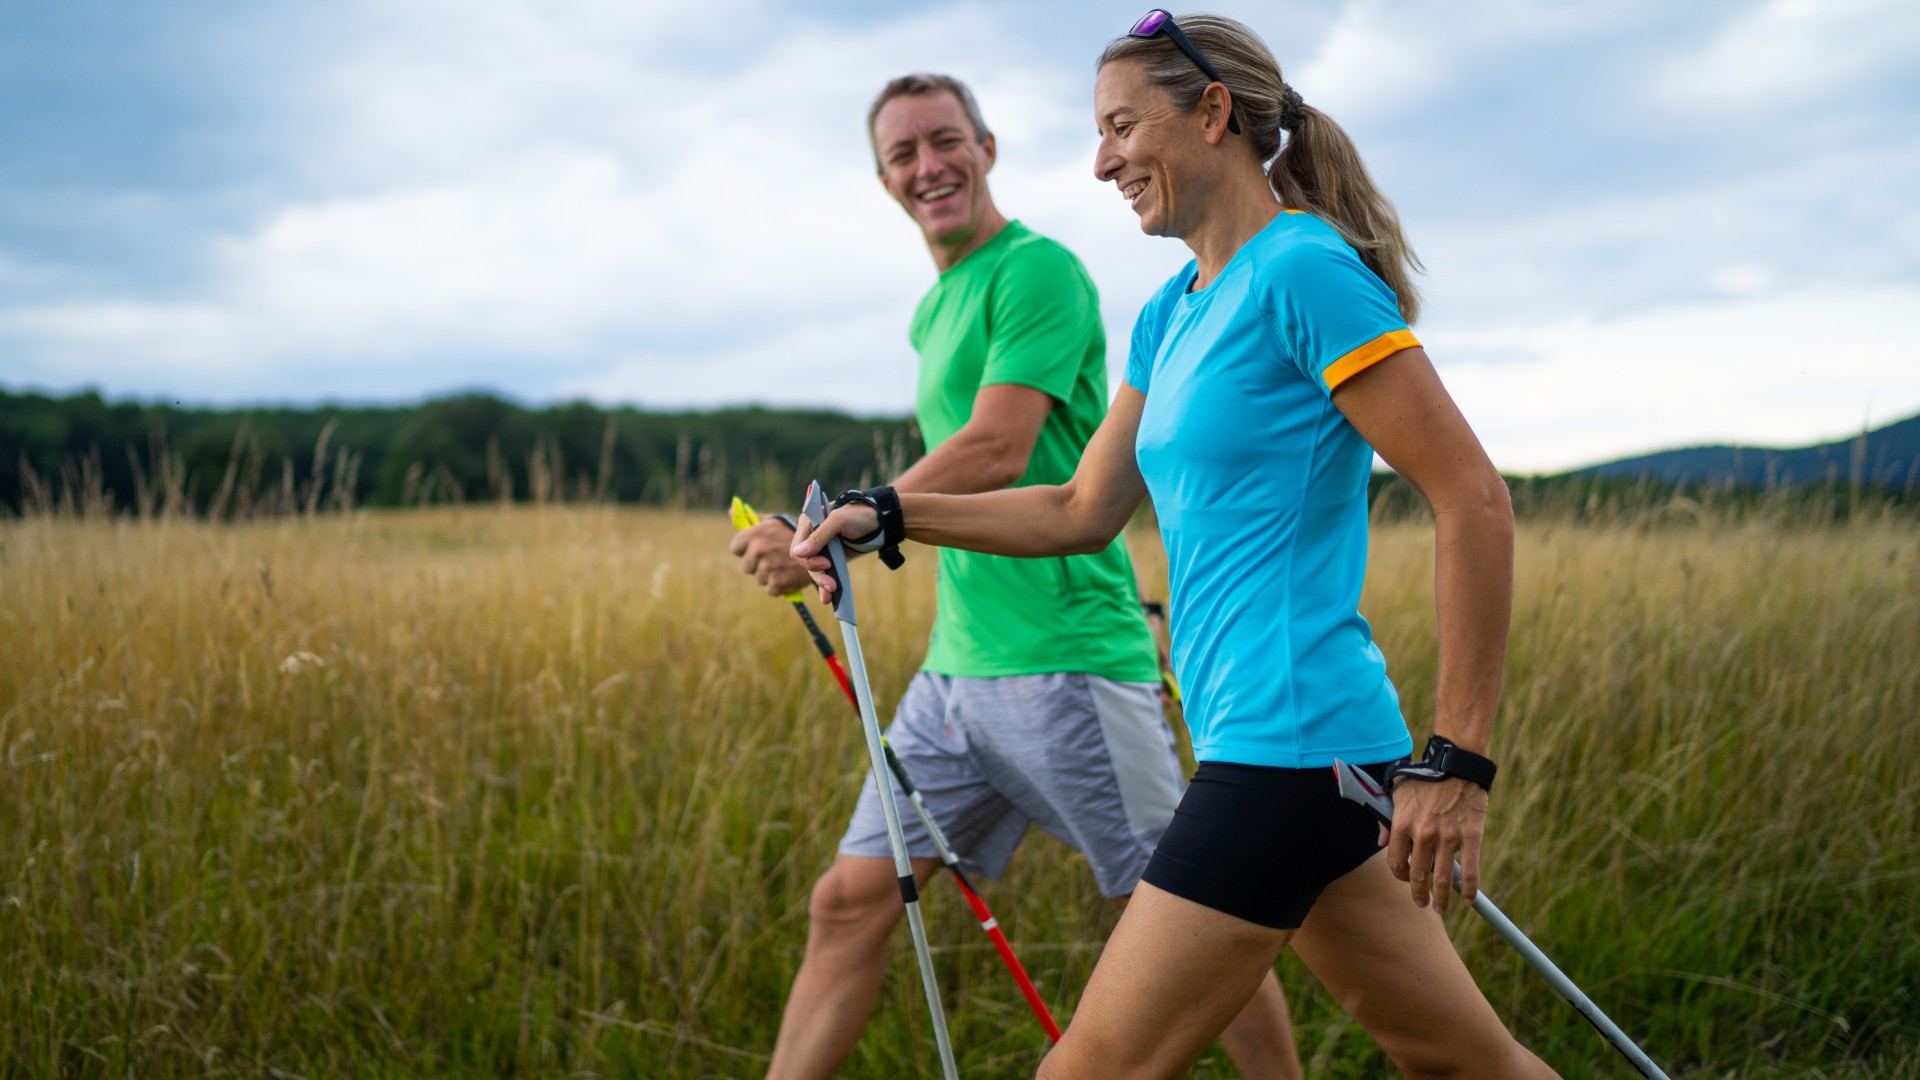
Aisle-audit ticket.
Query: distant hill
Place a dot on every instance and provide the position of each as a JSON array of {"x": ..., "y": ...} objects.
[{"x": 1887, "y": 457}]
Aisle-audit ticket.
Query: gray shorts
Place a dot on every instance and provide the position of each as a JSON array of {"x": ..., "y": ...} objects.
[{"x": 1088, "y": 759}]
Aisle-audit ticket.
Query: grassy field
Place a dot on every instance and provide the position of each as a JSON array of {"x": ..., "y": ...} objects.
[{"x": 541, "y": 792}]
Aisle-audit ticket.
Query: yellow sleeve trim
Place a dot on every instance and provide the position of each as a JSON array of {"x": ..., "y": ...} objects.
[{"x": 1368, "y": 355}]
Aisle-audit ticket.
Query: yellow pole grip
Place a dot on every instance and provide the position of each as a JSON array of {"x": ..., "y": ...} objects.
[{"x": 744, "y": 517}]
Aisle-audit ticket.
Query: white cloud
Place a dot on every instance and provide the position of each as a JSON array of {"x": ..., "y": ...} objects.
[
  {"x": 1788, "y": 57},
  {"x": 1743, "y": 277},
  {"x": 1768, "y": 370},
  {"x": 715, "y": 228},
  {"x": 1370, "y": 62},
  {"x": 861, "y": 364},
  {"x": 678, "y": 207}
]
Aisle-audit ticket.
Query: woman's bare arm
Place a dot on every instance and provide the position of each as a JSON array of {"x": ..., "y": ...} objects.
[
  {"x": 1082, "y": 515},
  {"x": 1400, "y": 407}
]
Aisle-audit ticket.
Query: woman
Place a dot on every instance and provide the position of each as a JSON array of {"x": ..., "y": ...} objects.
[{"x": 1262, "y": 379}]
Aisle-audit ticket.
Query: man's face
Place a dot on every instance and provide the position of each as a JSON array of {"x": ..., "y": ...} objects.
[{"x": 932, "y": 165}]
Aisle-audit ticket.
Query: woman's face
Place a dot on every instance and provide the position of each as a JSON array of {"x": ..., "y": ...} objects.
[{"x": 1153, "y": 153}]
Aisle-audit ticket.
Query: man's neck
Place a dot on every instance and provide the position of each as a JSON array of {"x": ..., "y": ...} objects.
[{"x": 946, "y": 256}]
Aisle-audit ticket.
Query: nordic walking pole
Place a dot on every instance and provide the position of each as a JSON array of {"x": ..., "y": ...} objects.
[
  {"x": 1365, "y": 790},
  {"x": 815, "y": 508},
  {"x": 744, "y": 517},
  {"x": 1156, "y": 613}
]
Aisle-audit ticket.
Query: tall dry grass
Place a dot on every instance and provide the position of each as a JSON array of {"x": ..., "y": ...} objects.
[{"x": 541, "y": 791}]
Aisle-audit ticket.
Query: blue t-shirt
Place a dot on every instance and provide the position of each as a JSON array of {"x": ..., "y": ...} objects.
[{"x": 1260, "y": 484}]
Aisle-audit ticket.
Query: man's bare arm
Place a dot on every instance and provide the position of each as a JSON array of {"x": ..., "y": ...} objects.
[
  {"x": 1080, "y": 516},
  {"x": 990, "y": 451}
]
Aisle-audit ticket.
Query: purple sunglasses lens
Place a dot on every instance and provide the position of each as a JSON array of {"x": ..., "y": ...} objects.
[{"x": 1149, "y": 26}]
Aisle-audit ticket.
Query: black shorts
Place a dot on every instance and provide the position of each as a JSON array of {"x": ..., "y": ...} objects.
[{"x": 1261, "y": 843}]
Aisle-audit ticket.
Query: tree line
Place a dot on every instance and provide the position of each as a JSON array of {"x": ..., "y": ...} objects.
[{"x": 84, "y": 454}]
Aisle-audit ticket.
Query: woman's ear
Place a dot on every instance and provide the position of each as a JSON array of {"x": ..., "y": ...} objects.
[{"x": 1216, "y": 103}]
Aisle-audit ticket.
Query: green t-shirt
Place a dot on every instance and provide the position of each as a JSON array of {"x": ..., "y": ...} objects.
[{"x": 1022, "y": 310}]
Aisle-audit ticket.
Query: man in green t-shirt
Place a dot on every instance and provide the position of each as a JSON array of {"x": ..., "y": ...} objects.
[{"x": 1038, "y": 702}]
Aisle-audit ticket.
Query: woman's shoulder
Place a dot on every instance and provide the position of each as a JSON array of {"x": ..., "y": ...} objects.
[
  {"x": 1299, "y": 242},
  {"x": 1306, "y": 255}
]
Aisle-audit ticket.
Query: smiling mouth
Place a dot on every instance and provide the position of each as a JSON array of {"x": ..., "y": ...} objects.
[
  {"x": 1131, "y": 192},
  {"x": 936, "y": 194}
]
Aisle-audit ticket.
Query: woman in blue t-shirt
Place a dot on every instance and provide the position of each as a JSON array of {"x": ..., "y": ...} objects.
[{"x": 1262, "y": 379}]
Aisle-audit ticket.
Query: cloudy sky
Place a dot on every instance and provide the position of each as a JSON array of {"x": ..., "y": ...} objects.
[{"x": 1645, "y": 223}]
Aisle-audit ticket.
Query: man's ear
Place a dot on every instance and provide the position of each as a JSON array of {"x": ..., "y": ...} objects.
[{"x": 991, "y": 149}]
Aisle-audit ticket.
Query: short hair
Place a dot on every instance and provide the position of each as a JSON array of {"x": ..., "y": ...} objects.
[{"x": 923, "y": 83}]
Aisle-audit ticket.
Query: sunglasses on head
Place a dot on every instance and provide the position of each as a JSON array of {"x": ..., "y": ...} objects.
[{"x": 1157, "y": 22}]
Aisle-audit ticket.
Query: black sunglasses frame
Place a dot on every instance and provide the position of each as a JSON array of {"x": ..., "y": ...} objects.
[{"x": 1167, "y": 26}]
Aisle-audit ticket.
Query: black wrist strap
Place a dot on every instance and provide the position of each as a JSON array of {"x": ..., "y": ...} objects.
[
  {"x": 1442, "y": 760},
  {"x": 893, "y": 526}
]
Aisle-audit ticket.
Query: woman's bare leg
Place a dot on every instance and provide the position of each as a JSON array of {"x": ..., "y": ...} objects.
[
  {"x": 1391, "y": 966},
  {"x": 1259, "y": 1041},
  {"x": 1173, "y": 975}
]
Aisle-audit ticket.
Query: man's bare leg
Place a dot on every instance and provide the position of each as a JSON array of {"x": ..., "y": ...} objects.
[
  {"x": 855, "y": 906},
  {"x": 853, "y": 912}
]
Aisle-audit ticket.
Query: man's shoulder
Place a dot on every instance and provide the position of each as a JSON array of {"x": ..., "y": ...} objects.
[{"x": 1039, "y": 258}]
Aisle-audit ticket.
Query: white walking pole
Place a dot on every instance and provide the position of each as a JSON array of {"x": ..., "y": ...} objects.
[
  {"x": 1365, "y": 790},
  {"x": 816, "y": 510}
]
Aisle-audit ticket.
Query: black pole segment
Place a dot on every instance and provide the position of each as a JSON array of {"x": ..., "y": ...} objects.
[{"x": 820, "y": 643}]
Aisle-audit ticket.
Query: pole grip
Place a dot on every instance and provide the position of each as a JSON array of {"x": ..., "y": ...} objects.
[
  {"x": 815, "y": 508},
  {"x": 743, "y": 515}
]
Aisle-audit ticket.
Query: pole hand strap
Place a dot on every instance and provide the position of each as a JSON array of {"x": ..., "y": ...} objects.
[
  {"x": 893, "y": 525},
  {"x": 1442, "y": 760}
]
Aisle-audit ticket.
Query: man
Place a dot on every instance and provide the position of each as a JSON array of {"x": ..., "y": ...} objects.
[{"x": 1038, "y": 702}]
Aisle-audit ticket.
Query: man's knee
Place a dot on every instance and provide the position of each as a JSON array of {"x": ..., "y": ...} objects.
[
  {"x": 1075, "y": 1059},
  {"x": 1503, "y": 1059},
  {"x": 1054, "y": 1066},
  {"x": 855, "y": 894}
]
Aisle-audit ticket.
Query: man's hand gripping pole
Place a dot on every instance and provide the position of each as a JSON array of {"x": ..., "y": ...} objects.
[{"x": 744, "y": 517}]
